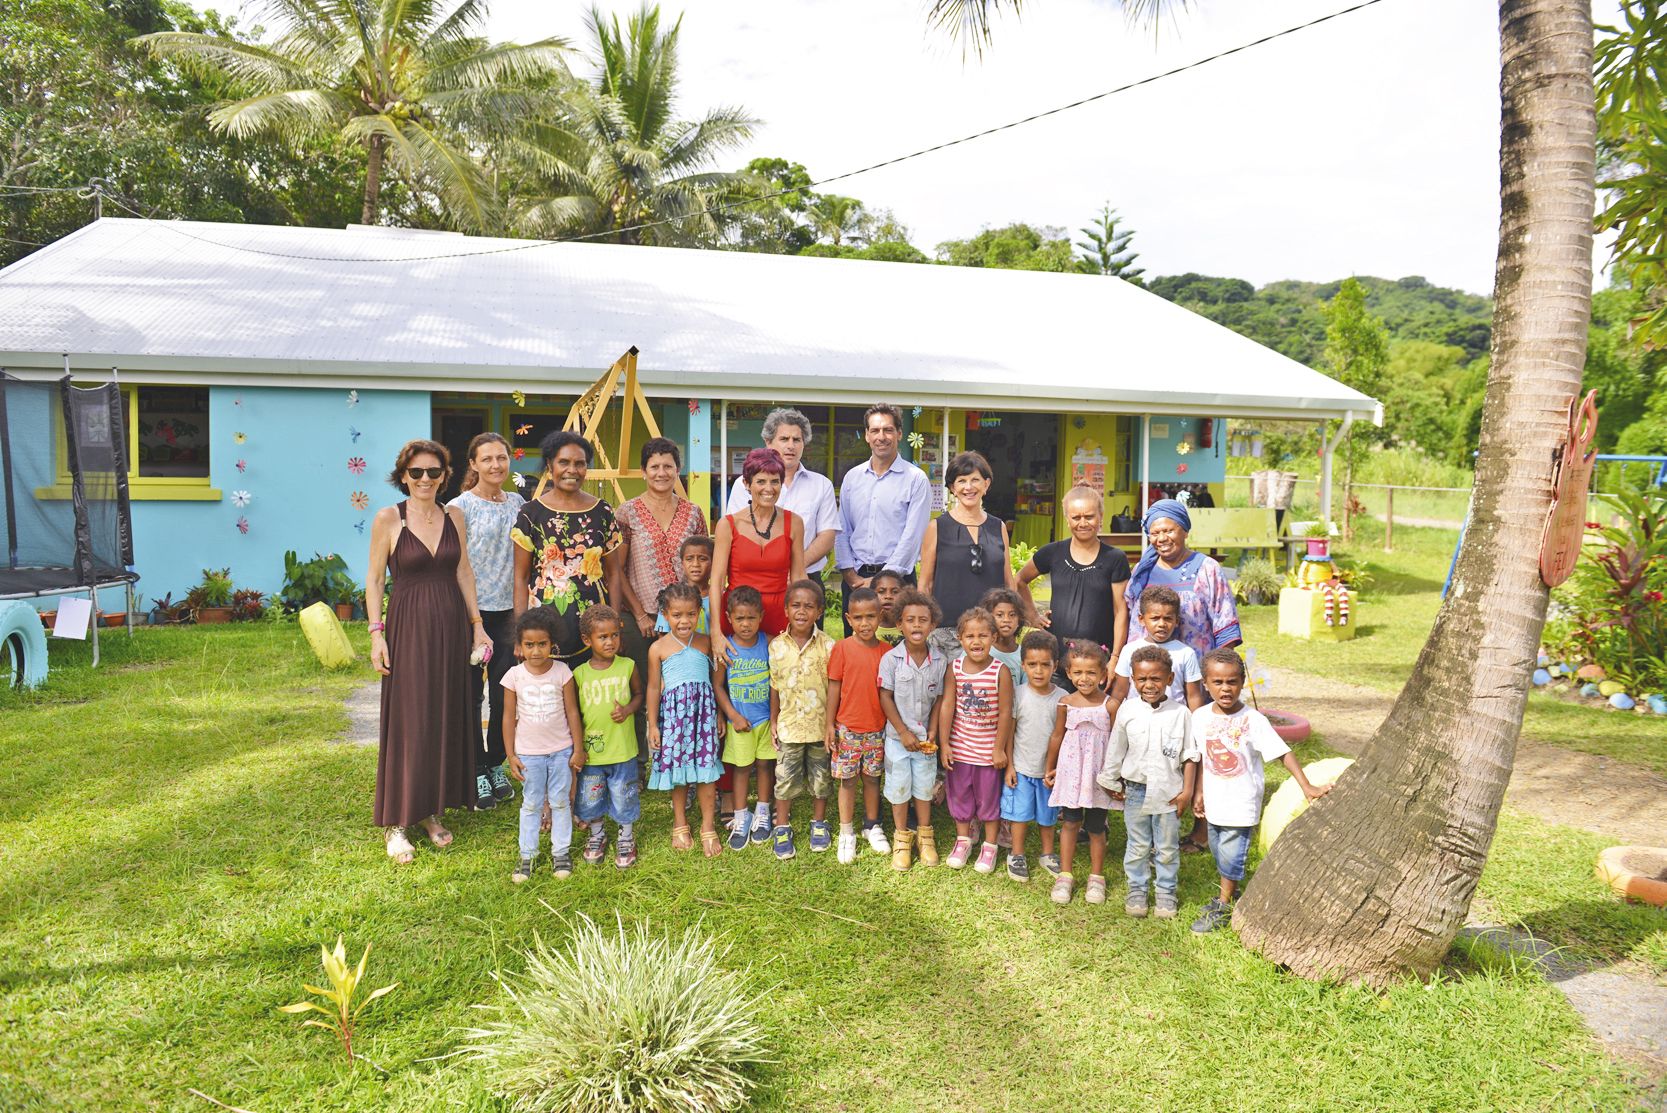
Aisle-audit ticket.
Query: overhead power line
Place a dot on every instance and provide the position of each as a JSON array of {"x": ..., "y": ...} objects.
[{"x": 527, "y": 245}]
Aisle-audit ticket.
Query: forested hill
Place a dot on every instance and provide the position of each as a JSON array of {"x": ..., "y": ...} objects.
[{"x": 1289, "y": 316}]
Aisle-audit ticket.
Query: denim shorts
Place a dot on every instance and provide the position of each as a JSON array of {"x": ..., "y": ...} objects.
[
  {"x": 910, "y": 774},
  {"x": 1231, "y": 846},
  {"x": 611, "y": 790},
  {"x": 1028, "y": 802}
]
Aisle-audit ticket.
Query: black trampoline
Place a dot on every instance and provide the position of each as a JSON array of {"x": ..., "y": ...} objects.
[{"x": 65, "y": 524}]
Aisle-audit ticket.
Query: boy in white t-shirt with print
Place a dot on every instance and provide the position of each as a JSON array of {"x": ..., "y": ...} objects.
[
  {"x": 1234, "y": 740},
  {"x": 1160, "y": 614}
]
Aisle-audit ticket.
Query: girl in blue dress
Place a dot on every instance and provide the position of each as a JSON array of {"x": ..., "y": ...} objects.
[{"x": 683, "y": 718}]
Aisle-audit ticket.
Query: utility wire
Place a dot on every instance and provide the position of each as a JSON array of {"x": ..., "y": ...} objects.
[{"x": 525, "y": 245}]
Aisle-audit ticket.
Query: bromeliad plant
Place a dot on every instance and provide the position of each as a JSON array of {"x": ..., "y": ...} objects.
[
  {"x": 1613, "y": 610},
  {"x": 343, "y": 1015}
]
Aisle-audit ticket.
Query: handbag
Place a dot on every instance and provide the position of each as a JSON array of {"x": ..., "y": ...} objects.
[{"x": 1125, "y": 522}]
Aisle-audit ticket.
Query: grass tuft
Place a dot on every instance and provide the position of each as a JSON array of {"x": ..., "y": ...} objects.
[{"x": 622, "y": 1019}]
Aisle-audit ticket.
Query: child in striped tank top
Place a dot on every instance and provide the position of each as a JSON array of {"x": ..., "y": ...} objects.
[{"x": 977, "y": 721}]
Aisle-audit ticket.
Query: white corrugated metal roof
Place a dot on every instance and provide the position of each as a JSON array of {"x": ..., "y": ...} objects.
[{"x": 197, "y": 302}]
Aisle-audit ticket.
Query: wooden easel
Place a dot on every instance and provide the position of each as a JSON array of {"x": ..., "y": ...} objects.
[{"x": 585, "y": 418}]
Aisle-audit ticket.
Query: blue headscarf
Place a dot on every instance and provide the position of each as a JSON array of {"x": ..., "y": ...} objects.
[{"x": 1175, "y": 511}]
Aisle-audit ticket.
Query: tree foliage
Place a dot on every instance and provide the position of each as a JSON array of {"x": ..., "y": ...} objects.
[
  {"x": 1105, "y": 247},
  {"x": 1632, "y": 133}
]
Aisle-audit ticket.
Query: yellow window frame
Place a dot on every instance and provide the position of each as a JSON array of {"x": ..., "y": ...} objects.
[{"x": 140, "y": 488}]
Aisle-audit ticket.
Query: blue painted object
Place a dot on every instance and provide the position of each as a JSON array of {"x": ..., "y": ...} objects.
[
  {"x": 21, "y": 626},
  {"x": 1658, "y": 704},
  {"x": 1590, "y": 691},
  {"x": 1541, "y": 678},
  {"x": 1620, "y": 701}
]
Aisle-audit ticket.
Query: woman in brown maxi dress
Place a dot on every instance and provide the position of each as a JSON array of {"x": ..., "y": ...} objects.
[{"x": 426, "y": 758}]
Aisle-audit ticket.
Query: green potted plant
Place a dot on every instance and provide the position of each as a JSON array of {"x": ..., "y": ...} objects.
[
  {"x": 1258, "y": 583},
  {"x": 210, "y": 601},
  {"x": 1318, "y": 536},
  {"x": 323, "y": 579},
  {"x": 248, "y": 605}
]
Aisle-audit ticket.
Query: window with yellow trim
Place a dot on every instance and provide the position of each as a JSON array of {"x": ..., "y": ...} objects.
[{"x": 167, "y": 444}]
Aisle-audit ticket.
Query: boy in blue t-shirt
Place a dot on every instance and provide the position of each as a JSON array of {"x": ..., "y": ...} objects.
[{"x": 742, "y": 685}]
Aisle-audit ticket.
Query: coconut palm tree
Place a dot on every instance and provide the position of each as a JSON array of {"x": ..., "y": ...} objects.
[
  {"x": 835, "y": 217},
  {"x": 410, "y": 80},
  {"x": 1373, "y": 882},
  {"x": 614, "y": 154}
]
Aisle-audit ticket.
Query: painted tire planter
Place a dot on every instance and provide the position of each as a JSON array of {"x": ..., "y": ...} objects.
[
  {"x": 1288, "y": 802},
  {"x": 1636, "y": 872},
  {"x": 22, "y": 632},
  {"x": 1288, "y": 725}
]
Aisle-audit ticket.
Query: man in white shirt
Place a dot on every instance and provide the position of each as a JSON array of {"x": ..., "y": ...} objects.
[{"x": 805, "y": 493}]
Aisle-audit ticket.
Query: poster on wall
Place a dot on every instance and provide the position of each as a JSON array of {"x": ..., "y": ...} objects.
[{"x": 1088, "y": 465}]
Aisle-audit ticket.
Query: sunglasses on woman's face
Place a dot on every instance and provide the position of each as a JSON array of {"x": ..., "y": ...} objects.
[{"x": 420, "y": 473}]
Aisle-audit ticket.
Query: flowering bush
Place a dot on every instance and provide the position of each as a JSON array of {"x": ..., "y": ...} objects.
[{"x": 1613, "y": 610}]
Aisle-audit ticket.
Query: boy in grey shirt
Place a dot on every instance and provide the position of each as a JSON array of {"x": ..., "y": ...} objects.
[{"x": 1024, "y": 797}]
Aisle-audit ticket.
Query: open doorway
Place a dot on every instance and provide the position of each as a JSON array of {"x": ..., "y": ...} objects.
[{"x": 1023, "y": 450}]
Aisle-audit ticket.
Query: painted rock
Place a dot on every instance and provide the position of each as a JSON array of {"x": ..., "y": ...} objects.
[
  {"x": 1620, "y": 701},
  {"x": 1541, "y": 678},
  {"x": 1658, "y": 704},
  {"x": 1591, "y": 672},
  {"x": 1590, "y": 691},
  {"x": 1544, "y": 660},
  {"x": 1611, "y": 688}
]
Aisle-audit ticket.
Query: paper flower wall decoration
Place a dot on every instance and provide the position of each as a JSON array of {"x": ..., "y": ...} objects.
[
  {"x": 1180, "y": 469},
  {"x": 520, "y": 454},
  {"x": 359, "y": 499},
  {"x": 916, "y": 441},
  {"x": 243, "y": 465},
  {"x": 520, "y": 398},
  {"x": 243, "y": 525},
  {"x": 239, "y": 438},
  {"x": 359, "y": 525},
  {"x": 915, "y": 412},
  {"x": 356, "y": 465},
  {"x": 523, "y": 430},
  {"x": 520, "y": 480},
  {"x": 354, "y": 433},
  {"x": 694, "y": 405},
  {"x": 352, "y": 398},
  {"x": 241, "y": 498}
]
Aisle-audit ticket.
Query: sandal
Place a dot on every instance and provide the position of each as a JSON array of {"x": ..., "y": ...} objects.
[
  {"x": 682, "y": 839},
  {"x": 437, "y": 834},
  {"x": 711, "y": 844},
  {"x": 399, "y": 847}
]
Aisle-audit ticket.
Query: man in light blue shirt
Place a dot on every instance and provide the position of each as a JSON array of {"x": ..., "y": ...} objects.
[
  {"x": 803, "y": 492},
  {"x": 885, "y": 505}
]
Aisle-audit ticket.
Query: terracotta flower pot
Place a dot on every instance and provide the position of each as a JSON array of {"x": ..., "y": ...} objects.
[
  {"x": 48, "y": 618},
  {"x": 210, "y": 616},
  {"x": 344, "y": 611},
  {"x": 111, "y": 621}
]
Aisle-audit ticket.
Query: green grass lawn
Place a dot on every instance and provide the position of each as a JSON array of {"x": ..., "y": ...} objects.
[
  {"x": 180, "y": 832},
  {"x": 1394, "y": 616}
]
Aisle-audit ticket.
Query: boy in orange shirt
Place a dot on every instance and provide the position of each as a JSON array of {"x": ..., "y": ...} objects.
[{"x": 856, "y": 723}]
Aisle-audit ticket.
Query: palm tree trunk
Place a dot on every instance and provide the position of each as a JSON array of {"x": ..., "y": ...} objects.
[
  {"x": 373, "y": 182},
  {"x": 1374, "y": 881}
]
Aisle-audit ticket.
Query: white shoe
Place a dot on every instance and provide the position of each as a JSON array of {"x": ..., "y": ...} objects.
[
  {"x": 877, "y": 840},
  {"x": 847, "y": 849}
]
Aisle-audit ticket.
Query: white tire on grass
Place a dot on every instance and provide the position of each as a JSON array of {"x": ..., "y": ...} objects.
[
  {"x": 22, "y": 634},
  {"x": 1289, "y": 802}
]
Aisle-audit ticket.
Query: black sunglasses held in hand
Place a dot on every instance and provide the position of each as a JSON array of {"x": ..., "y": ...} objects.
[{"x": 428, "y": 473}]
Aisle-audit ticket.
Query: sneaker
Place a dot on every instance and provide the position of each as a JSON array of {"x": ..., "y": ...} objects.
[
  {"x": 561, "y": 865},
  {"x": 847, "y": 848},
  {"x": 740, "y": 830},
  {"x": 484, "y": 798},
  {"x": 523, "y": 871},
  {"x": 1004, "y": 835},
  {"x": 625, "y": 852},
  {"x": 1017, "y": 868},
  {"x": 986, "y": 859},
  {"x": 1165, "y": 907},
  {"x": 501, "y": 788},
  {"x": 877, "y": 840},
  {"x": 1217, "y": 913},
  {"x": 1135, "y": 904},
  {"x": 761, "y": 825},
  {"x": 1061, "y": 889},
  {"x": 959, "y": 855},
  {"x": 821, "y": 835},
  {"x": 596, "y": 847},
  {"x": 1095, "y": 892},
  {"x": 1050, "y": 863},
  {"x": 782, "y": 838}
]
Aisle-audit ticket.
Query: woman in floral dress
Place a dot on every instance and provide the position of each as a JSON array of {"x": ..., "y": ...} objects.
[{"x": 568, "y": 554}]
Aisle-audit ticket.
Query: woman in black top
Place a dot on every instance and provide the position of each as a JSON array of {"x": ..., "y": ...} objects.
[
  {"x": 1087, "y": 576},
  {"x": 965, "y": 553}
]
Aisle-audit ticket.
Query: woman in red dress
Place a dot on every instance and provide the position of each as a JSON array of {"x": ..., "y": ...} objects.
[{"x": 760, "y": 545}]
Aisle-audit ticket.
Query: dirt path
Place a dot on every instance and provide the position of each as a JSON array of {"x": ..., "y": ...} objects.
[{"x": 1559, "y": 786}]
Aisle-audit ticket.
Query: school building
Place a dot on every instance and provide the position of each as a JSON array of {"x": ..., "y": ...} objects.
[{"x": 270, "y": 374}]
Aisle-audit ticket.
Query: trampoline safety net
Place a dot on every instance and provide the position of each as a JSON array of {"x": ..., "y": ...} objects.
[{"x": 64, "y": 515}]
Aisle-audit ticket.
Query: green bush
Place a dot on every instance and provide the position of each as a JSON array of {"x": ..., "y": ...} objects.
[
  {"x": 1613, "y": 610},
  {"x": 622, "y": 1020},
  {"x": 323, "y": 579}
]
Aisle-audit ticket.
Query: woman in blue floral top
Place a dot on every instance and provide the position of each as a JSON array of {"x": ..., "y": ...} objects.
[{"x": 568, "y": 554}]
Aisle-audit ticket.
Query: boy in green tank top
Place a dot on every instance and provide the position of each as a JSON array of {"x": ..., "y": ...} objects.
[{"x": 610, "y": 692}]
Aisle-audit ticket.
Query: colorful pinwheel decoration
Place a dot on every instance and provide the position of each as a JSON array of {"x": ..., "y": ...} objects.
[
  {"x": 916, "y": 441},
  {"x": 520, "y": 454},
  {"x": 242, "y": 465},
  {"x": 523, "y": 430},
  {"x": 241, "y": 499},
  {"x": 240, "y": 438},
  {"x": 243, "y": 525},
  {"x": 520, "y": 398},
  {"x": 694, "y": 405},
  {"x": 356, "y": 465},
  {"x": 915, "y": 412},
  {"x": 352, "y": 398},
  {"x": 1254, "y": 677},
  {"x": 520, "y": 480},
  {"x": 359, "y": 499}
]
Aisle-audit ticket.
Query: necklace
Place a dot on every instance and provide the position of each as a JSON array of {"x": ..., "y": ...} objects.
[
  {"x": 763, "y": 534},
  {"x": 429, "y": 519}
]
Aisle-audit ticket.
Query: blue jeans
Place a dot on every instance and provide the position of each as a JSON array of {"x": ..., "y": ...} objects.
[
  {"x": 1230, "y": 846},
  {"x": 611, "y": 790},
  {"x": 1150, "y": 836},
  {"x": 549, "y": 778}
]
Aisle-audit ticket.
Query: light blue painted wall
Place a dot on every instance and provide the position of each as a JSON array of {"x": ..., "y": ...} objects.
[
  {"x": 297, "y": 446},
  {"x": 1204, "y": 465}
]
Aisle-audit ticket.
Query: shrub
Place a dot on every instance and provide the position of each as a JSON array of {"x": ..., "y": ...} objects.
[
  {"x": 1613, "y": 610},
  {"x": 323, "y": 579},
  {"x": 622, "y": 1020},
  {"x": 215, "y": 590},
  {"x": 1258, "y": 582}
]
